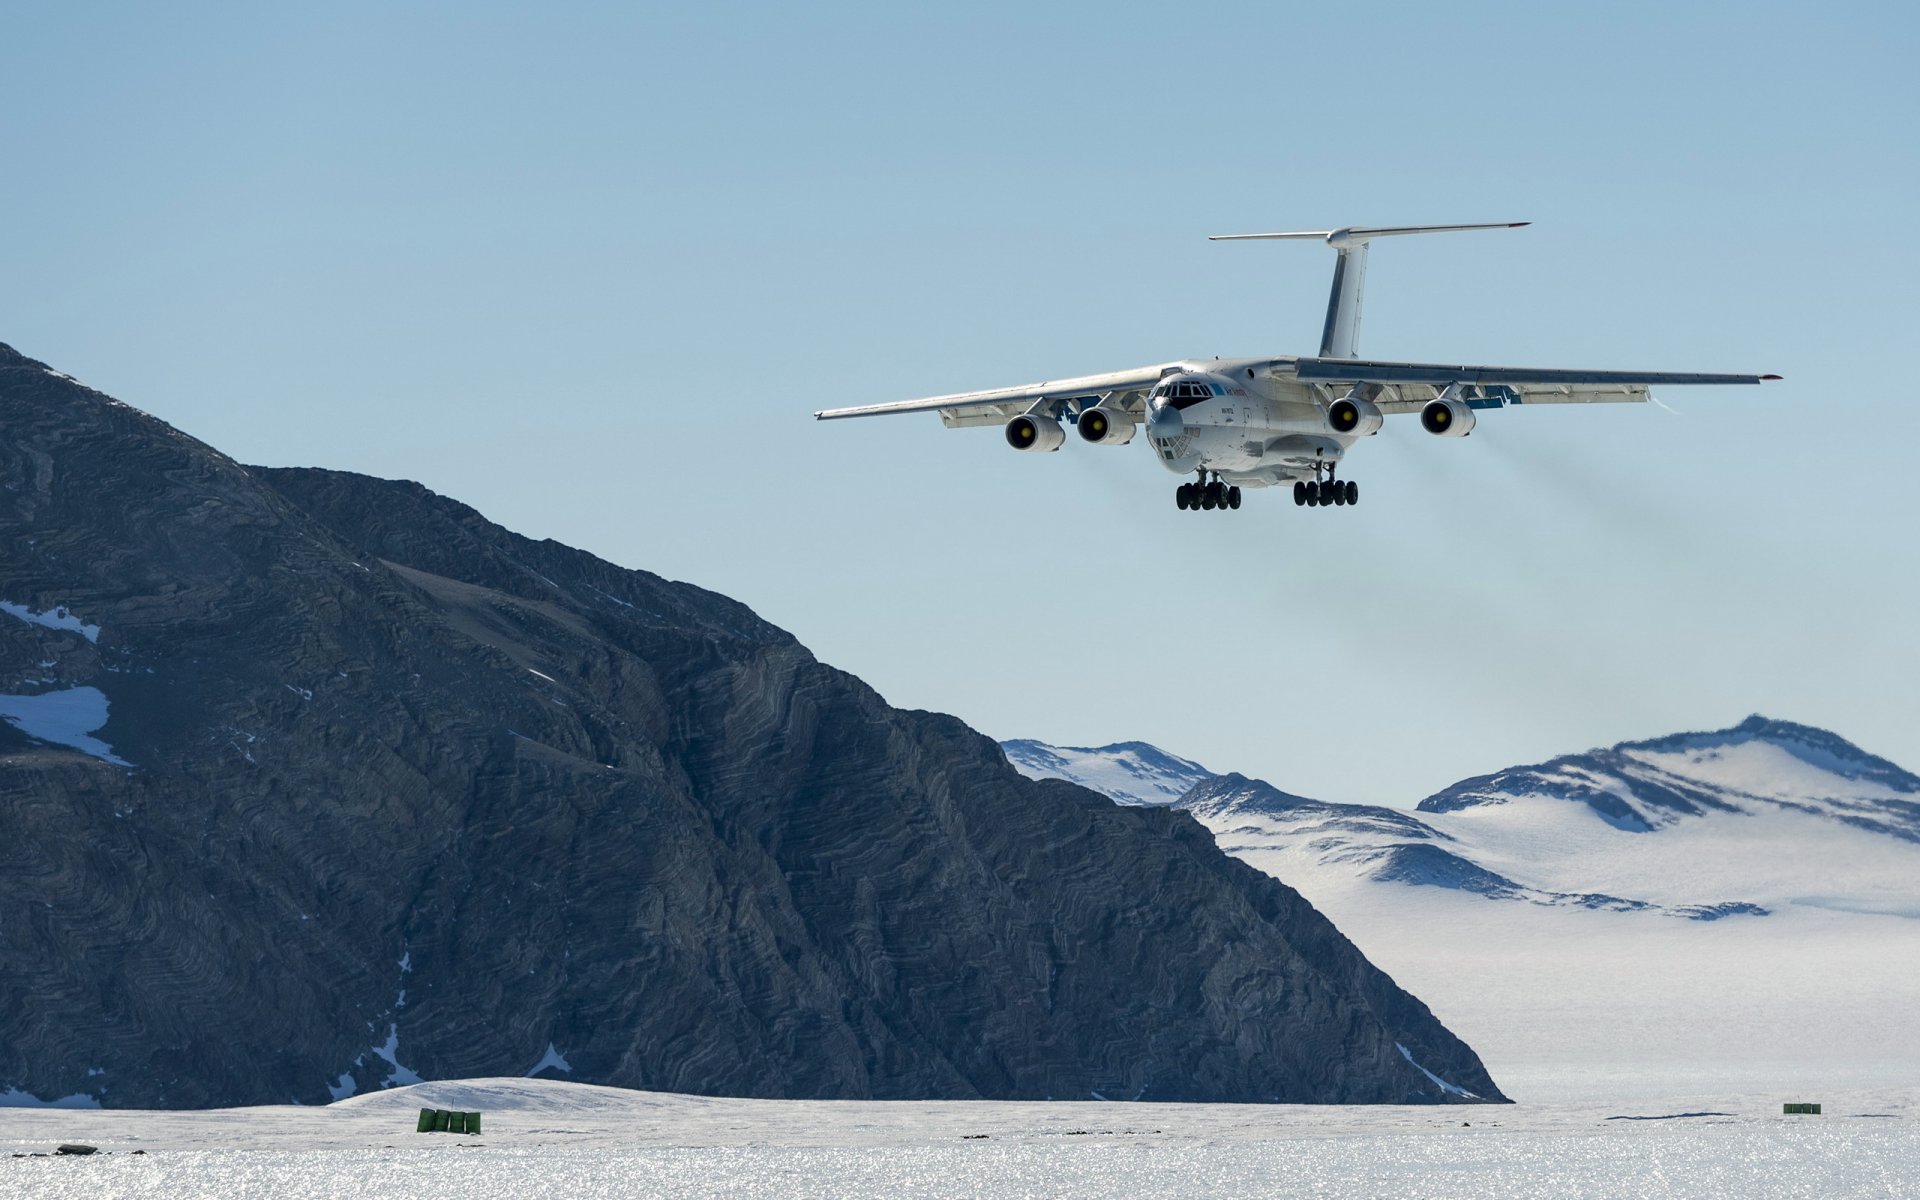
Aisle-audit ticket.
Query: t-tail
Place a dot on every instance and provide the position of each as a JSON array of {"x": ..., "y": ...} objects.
[{"x": 1339, "y": 336}]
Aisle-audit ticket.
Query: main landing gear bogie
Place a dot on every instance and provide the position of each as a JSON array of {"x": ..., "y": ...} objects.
[
  {"x": 1312, "y": 493},
  {"x": 1215, "y": 495}
]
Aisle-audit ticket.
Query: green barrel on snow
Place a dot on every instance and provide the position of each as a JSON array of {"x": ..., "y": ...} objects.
[{"x": 441, "y": 1120}]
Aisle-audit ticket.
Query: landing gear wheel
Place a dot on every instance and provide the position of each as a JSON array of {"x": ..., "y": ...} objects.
[
  {"x": 1339, "y": 491},
  {"x": 1233, "y": 497},
  {"x": 1206, "y": 498},
  {"x": 1353, "y": 492},
  {"x": 1299, "y": 494},
  {"x": 1183, "y": 497},
  {"x": 1216, "y": 495}
]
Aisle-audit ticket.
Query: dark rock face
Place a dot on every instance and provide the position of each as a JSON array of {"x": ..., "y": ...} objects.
[{"x": 409, "y": 793}]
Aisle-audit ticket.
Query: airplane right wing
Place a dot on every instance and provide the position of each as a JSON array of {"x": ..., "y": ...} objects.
[{"x": 1117, "y": 389}]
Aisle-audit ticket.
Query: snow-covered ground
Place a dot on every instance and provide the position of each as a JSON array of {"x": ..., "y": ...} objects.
[{"x": 546, "y": 1138}]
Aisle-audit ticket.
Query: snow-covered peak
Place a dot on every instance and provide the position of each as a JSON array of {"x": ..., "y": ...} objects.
[
  {"x": 1757, "y": 766},
  {"x": 1126, "y": 772}
]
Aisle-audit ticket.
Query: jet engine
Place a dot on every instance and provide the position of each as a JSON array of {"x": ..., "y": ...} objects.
[
  {"x": 1447, "y": 418},
  {"x": 1035, "y": 433},
  {"x": 1105, "y": 427},
  {"x": 1360, "y": 417}
]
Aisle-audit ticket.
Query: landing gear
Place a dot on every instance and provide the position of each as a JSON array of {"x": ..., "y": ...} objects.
[
  {"x": 1206, "y": 495},
  {"x": 1315, "y": 493}
]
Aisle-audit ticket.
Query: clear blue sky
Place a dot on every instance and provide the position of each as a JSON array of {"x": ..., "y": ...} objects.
[{"x": 590, "y": 268}]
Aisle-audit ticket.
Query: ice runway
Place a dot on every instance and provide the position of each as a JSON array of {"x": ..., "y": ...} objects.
[{"x": 548, "y": 1138}]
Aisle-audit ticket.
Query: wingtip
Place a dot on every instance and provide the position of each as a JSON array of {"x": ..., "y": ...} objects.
[
  {"x": 1518, "y": 224},
  {"x": 1764, "y": 378}
]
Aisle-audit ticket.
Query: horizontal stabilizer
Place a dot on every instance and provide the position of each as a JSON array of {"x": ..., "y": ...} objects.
[
  {"x": 1342, "y": 330},
  {"x": 1358, "y": 233}
]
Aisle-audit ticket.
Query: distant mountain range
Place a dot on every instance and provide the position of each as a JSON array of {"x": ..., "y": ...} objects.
[
  {"x": 1467, "y": 836},
  {"x": 312, "y": 783},
  {"x": 1671, "y": 907}
]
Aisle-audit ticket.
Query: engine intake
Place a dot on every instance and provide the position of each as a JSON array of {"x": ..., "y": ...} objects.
[
  {"x": 1105, "y": 427},
  {"x": 1447, "y": 418},
  {"x": 1360, "y": 417},
  {"x": 1035, "y": 433}
]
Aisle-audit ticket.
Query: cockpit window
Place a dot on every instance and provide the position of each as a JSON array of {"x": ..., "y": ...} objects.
[{"x": 1186, "y": 395}]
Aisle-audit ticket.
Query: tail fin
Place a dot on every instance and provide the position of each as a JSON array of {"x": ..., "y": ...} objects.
[{"x": 1339, "y": 336}]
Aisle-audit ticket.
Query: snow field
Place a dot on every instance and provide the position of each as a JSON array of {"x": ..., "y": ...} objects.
[{"x": 548, "y": 1138}]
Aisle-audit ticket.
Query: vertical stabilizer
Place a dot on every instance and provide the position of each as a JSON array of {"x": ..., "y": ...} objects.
[{"x": 1340, "y": 334}]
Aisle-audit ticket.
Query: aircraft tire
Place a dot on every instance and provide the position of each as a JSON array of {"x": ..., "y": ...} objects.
[
  {"x": 1299, "y": 494},
  {"x": 1233, "y": 497},
  {"x": 1183, "y": 496},
  {"x": 1353, "y": 492}
]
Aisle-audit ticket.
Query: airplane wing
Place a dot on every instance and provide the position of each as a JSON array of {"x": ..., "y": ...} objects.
[
  {"x": 1409, "y": 386},
  {"x": 1117, "y": 389}
]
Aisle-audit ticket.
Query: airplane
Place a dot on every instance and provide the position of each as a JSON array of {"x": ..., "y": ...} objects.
[{"x": 1266, "y": 422}]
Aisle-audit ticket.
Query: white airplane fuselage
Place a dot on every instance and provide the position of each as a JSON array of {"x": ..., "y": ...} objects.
[{"x": 1251, "y": 431}]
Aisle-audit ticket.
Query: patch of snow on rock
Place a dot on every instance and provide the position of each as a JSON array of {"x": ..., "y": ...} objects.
[
  {"x": 401, "y": 1075},
  {"x": 66, "y": 718},
  {"x": 553, "y": 1059},
  {"x": 57, "y": 617},
  {"x": 1442, "y": 1084},
  {"x": 15, "y": 1098}
]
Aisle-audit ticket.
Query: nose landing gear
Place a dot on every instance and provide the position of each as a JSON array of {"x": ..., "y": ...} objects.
[{"x": 1201, "y": 495}]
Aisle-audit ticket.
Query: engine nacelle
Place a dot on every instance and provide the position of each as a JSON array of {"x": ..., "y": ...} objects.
[
  {"x": 1447, "y": 418},
  {"x": 1105, "y": 427},
  {"x": 1359, "y": 417},
  {"x": 1028, "y": 432}
]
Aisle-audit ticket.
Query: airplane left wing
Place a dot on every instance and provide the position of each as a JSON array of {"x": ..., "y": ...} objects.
[
  {"x": 1407, "y": 387},
  {"x": 1117, "y": 389}
]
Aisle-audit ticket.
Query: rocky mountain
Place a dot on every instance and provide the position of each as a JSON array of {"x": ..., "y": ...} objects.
[{"x": 312, "y": 783}]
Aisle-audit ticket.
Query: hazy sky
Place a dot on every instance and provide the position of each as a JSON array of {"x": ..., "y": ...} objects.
[{"x": 591, "y": 267}]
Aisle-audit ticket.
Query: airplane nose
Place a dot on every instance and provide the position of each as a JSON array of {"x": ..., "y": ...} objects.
[{"x": 1165, "y": 421}]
